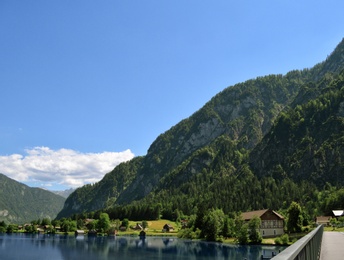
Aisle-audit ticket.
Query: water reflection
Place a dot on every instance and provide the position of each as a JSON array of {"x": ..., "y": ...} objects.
[{"x": 19, "y": 246}]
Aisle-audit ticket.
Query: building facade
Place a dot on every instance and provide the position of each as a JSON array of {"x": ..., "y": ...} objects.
[{"x": 272, "y": 223}]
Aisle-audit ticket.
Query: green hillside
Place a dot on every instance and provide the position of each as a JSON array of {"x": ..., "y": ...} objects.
[
  {"x": 258, "y": 144},
  {"x": 21, "y": 204}
]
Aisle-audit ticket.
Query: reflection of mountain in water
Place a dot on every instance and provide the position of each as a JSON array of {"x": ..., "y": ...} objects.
[
  {"x": 69, "y": 247},
  {"x": 167, "y": 248}
]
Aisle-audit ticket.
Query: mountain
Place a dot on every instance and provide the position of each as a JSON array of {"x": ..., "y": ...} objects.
[
  {"x": 307, "y": 141},
  {"x": 21, "y": 204},
  {"x": 63, "y": 193},
  {"x": 238, "y": 151}
]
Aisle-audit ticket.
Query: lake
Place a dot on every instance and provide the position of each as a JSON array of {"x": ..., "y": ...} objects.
[{"x": 55, "y": 247}]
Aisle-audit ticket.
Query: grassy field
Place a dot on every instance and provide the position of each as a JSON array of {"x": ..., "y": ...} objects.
[
  {"x": 341, "y": 229},
  {"x": 154, "y": 228}
]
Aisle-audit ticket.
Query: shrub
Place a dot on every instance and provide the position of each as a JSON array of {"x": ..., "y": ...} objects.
[
  {"x": 188, "y": 233},
  {"x": 282, "y": 240},
  {"x": 285, "y": 239},
  {"x": 278, "y": 241}
]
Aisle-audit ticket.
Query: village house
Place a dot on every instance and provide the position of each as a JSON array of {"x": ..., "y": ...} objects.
[
  {"x": 79, "y": 232},
  {"x": 184, "y": 223},
  {"x": 40, "y": 230},
  {"x": 338, "y": 213},
  {"x": 138, "y": 227},
  {"x": 272, "y": 223},
  {"x": 323, "y": 220},
  {"x": 167, "y": 228}
]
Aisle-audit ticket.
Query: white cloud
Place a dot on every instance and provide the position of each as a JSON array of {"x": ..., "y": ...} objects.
[{"x": 63, "y": 167}]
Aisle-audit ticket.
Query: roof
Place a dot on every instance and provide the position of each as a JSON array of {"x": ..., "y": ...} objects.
[
  {"x": 337, "y": 213},
  {"x": 323, "y": 218},
  {"x": 169, "y": 225},
  {"x": 258, "y": 213}
]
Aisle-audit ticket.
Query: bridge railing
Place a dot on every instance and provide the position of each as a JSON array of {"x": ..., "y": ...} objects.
[{"x": 306, "y": 248}]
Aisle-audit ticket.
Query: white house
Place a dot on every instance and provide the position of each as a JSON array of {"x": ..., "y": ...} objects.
[{"x": 272, "y": 223}]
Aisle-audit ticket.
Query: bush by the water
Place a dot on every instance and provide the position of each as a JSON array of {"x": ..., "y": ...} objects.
[{"x": 282, "y": 240}]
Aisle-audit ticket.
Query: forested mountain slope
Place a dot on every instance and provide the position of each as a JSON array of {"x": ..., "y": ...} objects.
[
  {"x": 207, "y": 157},
  {"x": 307, "y": 142},
  {"x": 22, "y": 204}
]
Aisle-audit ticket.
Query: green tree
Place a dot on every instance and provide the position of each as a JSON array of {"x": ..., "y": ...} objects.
[
  {"x": 117, "y": 223},
  {"x": 341, "y": 221},
  {"x": 254, "y": 234},
  {"x": 55, "y": 223},
  {"x": 80, "y": 223},
  {"x": 125, "y": 223},
  {"x": 30, "y": 228},
  {"x": 225, "y": 229},
  {"x": 157, "y": 211},
  {"x": 104, "y": 222},
  {"x": 3, "y": 224},
  {"x": 11, "y": 228},
  {"x": 3, "y": 227},
  {"x": 144, "y": 224},
  {"x": 68, "y": 225},
  {"x": 213, "y": 224},
  {"x": 294, "y": 223},
  {"x": 73, "y": 226},
  {"x": 92, "y": 225},
  {"x": 45, "y": 221},
  {"x": 238, "y": 223},
  {"x": 334, "y": 223},
  {"x": 201, "y": 211},
  {"x": 242, "y": 234}
]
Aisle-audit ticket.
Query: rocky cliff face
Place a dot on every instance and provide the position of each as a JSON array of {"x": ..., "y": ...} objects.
[{"x": 244, "y": 112}]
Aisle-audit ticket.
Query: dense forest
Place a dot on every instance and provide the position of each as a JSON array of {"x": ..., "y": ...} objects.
[
  {"x": 20, "y": 203},
  {"x": 263, "y": 143}
]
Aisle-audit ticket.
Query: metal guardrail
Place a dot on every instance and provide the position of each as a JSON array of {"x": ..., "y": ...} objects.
[{"x": 306, "y": 248}]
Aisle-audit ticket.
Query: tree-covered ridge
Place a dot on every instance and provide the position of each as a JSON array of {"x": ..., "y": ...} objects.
[
  {"x": 234, "y": 152},
  {"x": 307, "y": 142},
  {"x": 92, "y": 197},
  {"x": 20, "y": 203}
]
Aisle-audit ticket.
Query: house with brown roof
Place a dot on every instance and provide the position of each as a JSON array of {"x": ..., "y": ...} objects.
[
  {"x": 323, "y": 220},
  {"x": 167, "y": 228},
  {"x": 138, "y": 227},
  {"x": 272, "y": 223}
]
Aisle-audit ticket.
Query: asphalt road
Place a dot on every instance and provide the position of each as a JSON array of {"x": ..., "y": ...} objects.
[{"x": 332, "y": 246}]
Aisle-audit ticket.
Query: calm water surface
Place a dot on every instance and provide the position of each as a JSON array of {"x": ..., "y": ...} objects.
[{"x": 36, "y": 247}]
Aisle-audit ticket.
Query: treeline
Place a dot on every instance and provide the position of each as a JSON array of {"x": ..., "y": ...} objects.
[
  {"x": 278, "y": 196},
  {"x": 100, "y": 222}
]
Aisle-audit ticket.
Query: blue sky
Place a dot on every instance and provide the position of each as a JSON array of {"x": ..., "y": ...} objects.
[{"x": 88, "y": 81}]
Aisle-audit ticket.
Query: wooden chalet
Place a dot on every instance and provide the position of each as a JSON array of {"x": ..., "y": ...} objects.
[
  {"x": 272, "y": 223},
  {"x": 167, "y": 228},
  {"x": 323, "y": 220}
]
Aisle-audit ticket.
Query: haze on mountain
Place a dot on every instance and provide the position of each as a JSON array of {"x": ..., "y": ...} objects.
[
  {"x": 63, "y": 193},
  {"x": 258, "y": 144}
]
